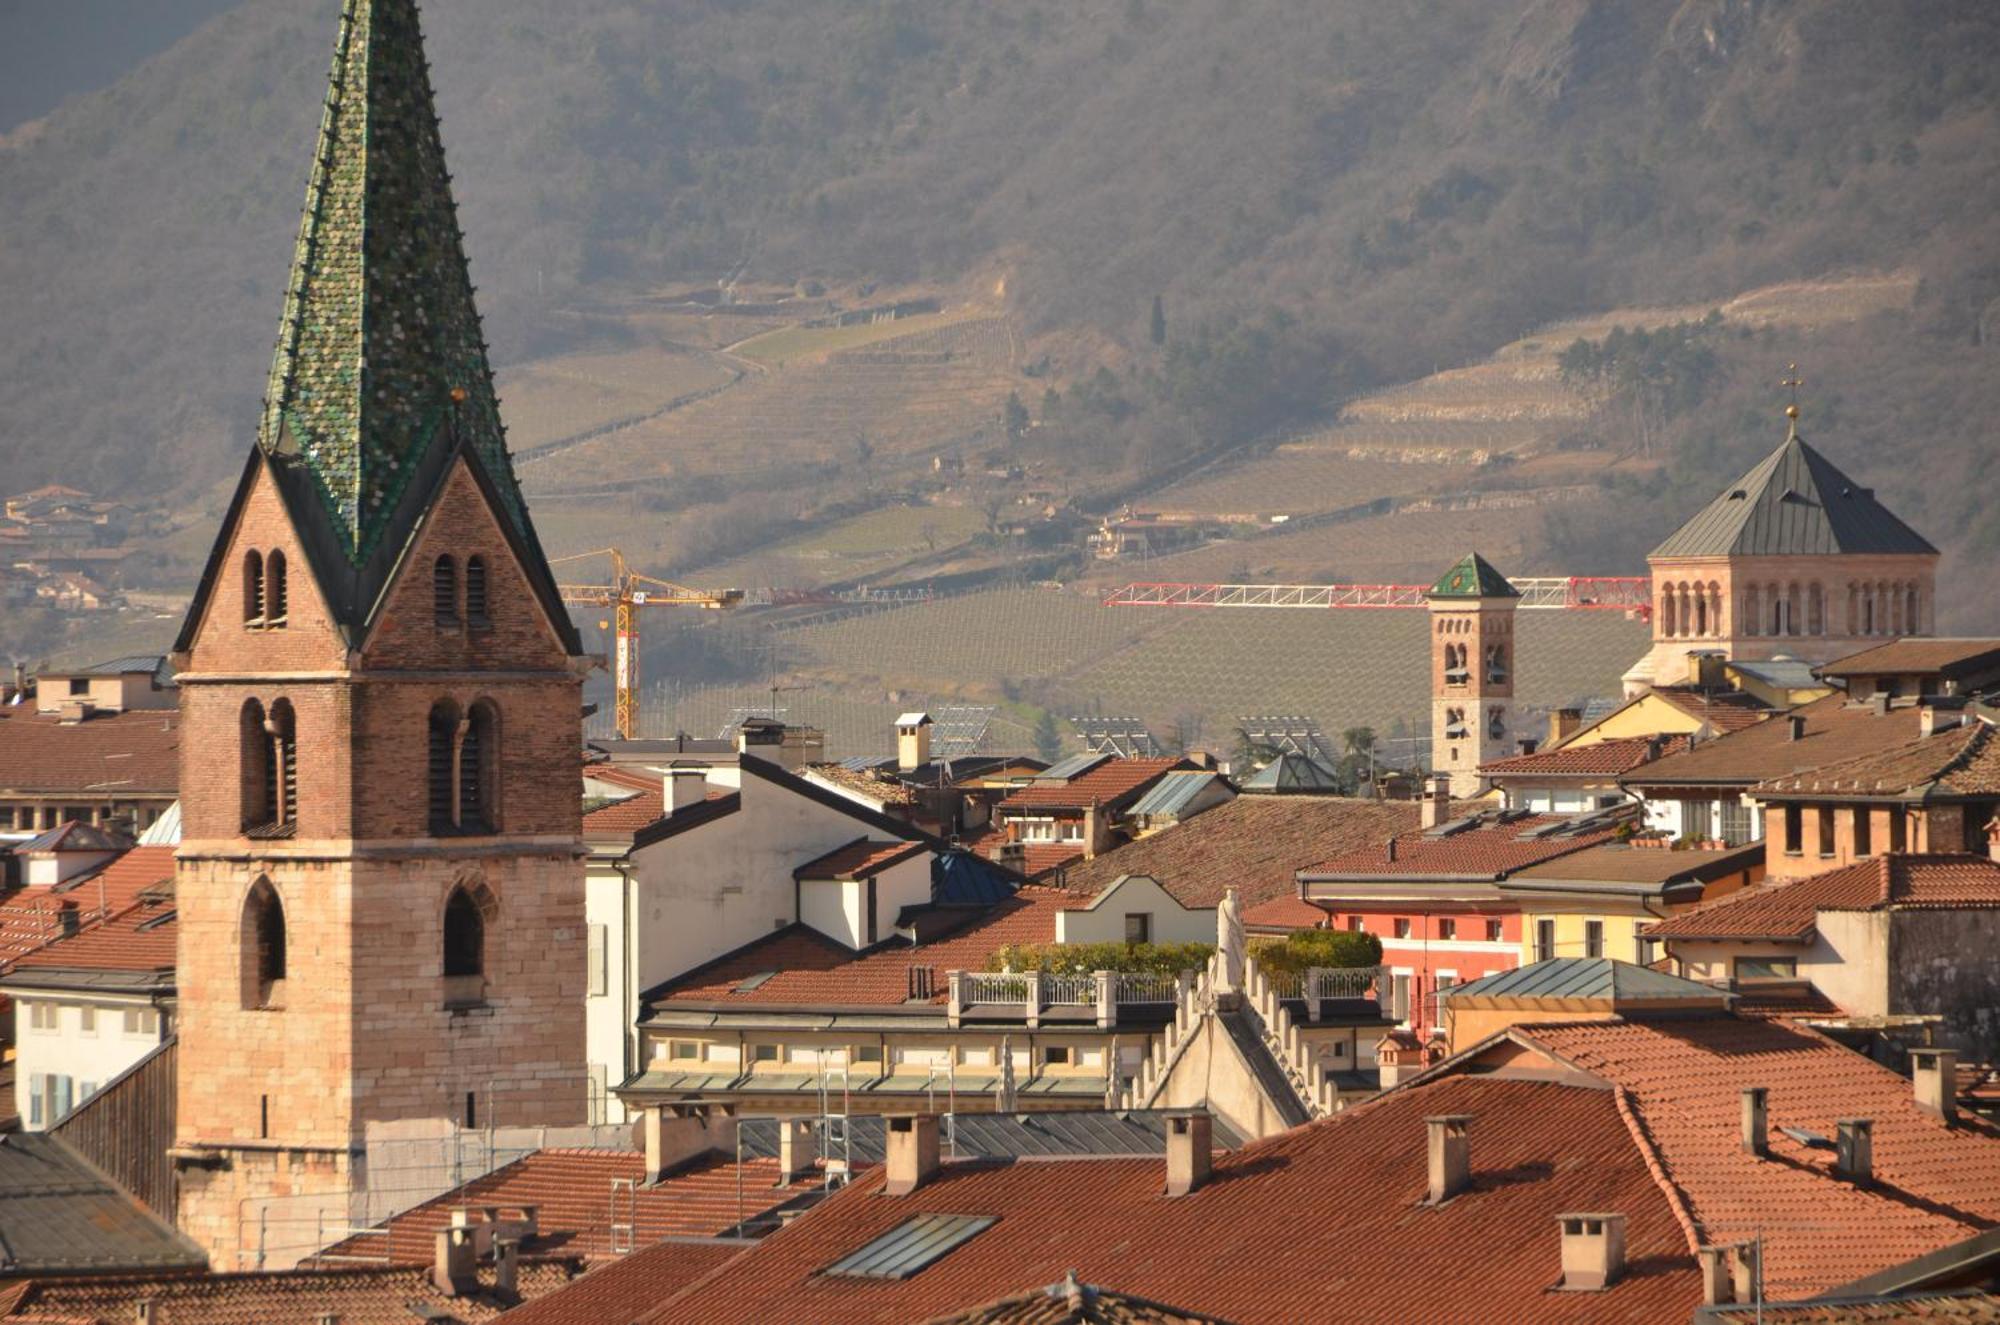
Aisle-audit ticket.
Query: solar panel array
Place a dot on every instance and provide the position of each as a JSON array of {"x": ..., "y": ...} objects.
[
  {"x": 1127, "y": 738},
  {"x": 1291, "y": 734}
]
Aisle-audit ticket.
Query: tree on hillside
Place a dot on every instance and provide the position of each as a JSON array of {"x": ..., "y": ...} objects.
[
  {"x": 1658, "y": 375},
  {"x": 1159, "y": 327},
  {"x": 1048, "y": 740},
  {"x": 1015, "y": 416}
]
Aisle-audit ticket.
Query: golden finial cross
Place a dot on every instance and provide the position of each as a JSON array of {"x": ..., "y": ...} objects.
[{"x": 1794, "y": 382}]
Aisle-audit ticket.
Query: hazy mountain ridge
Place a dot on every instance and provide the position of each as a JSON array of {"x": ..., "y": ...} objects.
[{"x": 1420, "y": 182}]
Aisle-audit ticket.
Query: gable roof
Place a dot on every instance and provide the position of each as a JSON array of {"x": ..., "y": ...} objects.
[
  {"x": 1793, "y": 502},
  {"x": 1904, "y": 657},
  {"x": 1473, "y": 577},
  {"x": 1682, "y": 1081},
  {"x": 1600, "y": 759},
  {"x": 1494, "y": 846},
  {"x": 1788, "y": 909},
  {"x": 1255, "y": 844},
  {"x": 1836, "y": 728},
  {"x": 137, "y": 752},
  {"x": 1173, "y": 793},
  {"x": 31, "y": 918},
  {"x": 860, "y": 859},
  {"x": 1073, "y": 1303},
  {"x": 60, "y": 1215},
  {"x": 1539, "y": 1149},
  {"x": 1591, "y": 979},
  {"x": 1959, "y": 761},
  {"x": 1109, "y": 782}
]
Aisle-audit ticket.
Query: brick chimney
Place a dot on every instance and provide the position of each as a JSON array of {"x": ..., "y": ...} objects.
[
  {"x": 456, "y": 1268},
  {"x": 1593, "y": 1251},
  {"x": 1757, "y": 1121},
  {"x": 1436, "y": 808},
  {"x": 684, "y": 785},
  {"x": 1096, "y": 836},
  {"x": 1854, "y": 1149},
  {"x": 1934, "y": 1073},
  {"x": 1527, "y": 745},
  {"x": 912, "y": 1153},
  {"x": 1450, "y": 1156},
  {"x": 1190, "y": 1150},
  {"x": 796, "y": 1151}
]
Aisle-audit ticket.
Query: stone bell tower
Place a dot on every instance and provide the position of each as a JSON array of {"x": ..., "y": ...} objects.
[
  {"x": 380, "y": 882},
  {"x": 1472, "y": 671}
]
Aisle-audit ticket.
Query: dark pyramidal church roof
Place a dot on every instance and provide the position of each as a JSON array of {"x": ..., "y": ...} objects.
[
  {"x": 1473, "y": 577},
  {"x": 1795, "y": 502}
]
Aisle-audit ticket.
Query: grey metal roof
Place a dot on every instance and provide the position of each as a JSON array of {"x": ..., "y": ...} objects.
[
  {"x": 1585, "y": 977},
  {"x": 983, "y": 1135},
  {"x": 1294, "y": 772},
  {"x": 1789, "y": 673},
  {"x": 60, "y": 1215},
  {"x": 911, "y": 1245},
  {"x": 1171, "y": 794},
  {"x": 1794, "y": 502},
  {"x": 1067, "y": 770}
]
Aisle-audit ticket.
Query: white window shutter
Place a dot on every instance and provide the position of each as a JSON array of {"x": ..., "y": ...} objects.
[
  {"x": 38, "y": 1085},
  {"x": 64, "y": 1085},
  {"x": 596, "y": 960}
]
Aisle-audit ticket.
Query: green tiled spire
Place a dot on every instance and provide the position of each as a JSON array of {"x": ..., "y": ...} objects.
[
  {"x": 1473, "y": 577},
  {"x": 380, "y": 358}
]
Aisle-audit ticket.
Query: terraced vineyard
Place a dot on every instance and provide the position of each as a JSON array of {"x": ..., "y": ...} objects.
[
  {"x": 1291, "y": 483},
  {"x": 849, "y": 549},
  {"x": 549, "y": 399}
]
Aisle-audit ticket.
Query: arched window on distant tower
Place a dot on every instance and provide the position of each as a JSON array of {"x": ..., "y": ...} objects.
[
  {"x": 253, "y": 588},
  {"x": 463, "y": 768},
  {"x": 281, "y": 795},
  {"x": 464, "y": 936},
  {"x": 276, "y": 594},
  {"x": 442, "y": 767},
  {"x": 475, "y": 591},
  {"x": 444, "y": 591},
  {"x": 262, "y": 934}
]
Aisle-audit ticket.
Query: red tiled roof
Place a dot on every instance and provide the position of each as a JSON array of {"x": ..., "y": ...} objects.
[
  {"x": 1603, "y": 759},
  {"x": 1787, "y": 908},
  {"x": 1073, "y": 1303},
  {"x": 1254, "y": 844},
  {"x": 114, "y": 754},
  {"x": 645, "y": 806},
  {"x": 628, "y": 1287},
  {"x": 1933, "y": 1185},
  {"x": 1721, "y": 710},
  {"x": 1322, "y": 1223},
  {"x": 860, "y": 860},
  {"x": 372, "y": 1295},
  {"x": 572, "y": 1192},
  {"x": 881, "y": 788},
  {"x": 139, "y": 939},
  {"x": 1287, "y": 912},
  {"x": 813, "y": 970},
  {"x": 1949, "y": 1307},
  {"x": 1036, "y": 860},
  {"x": 1905, "y": 657},
  {"x": 1835, "y": 729},
  {"x": 1799, "y": 1000},
  {"x": 1959, "y": 761},
  {"x": 1492, "y": 850},
  {"x": 1108, "y": 784},
  {"x": 30, "y": 918}
]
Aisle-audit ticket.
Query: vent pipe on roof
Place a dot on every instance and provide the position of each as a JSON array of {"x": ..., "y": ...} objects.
[
  {"x": 1593, "y": 1251},
  {"x": 1756, "y": 1121},
  {"x": 1934, "y": 1073},
  {"x": 1854, "y": 1149},
  {"x": 1450, "y": 1156},
  {"x": 1190, "y": 1150},
  {"x": 912, "y": 1158}
]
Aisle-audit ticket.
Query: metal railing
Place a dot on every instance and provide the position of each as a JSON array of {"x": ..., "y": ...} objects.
[
  {"x": 994, "y": 986},
  {"x": 1147, "y": 987},
  {"x": 1069, "y": 990}
]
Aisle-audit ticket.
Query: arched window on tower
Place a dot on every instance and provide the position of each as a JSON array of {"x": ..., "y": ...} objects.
[
  {"x": 276, "y": 593},
  {"x": 281, "y": 799},
  {"x": 464, "y": 936},
  {"x": 1455, "y": 671},
  {"x": 478, "y": 770},
  {"x": 1913, "y": 621},
  {"x": 444, "y": 591},
  {"x": 263, "y": 938},
  {"x": 475, "y": 591},
  {"x": 442, "y": 767},
  {"x": 1496, "y": 723},
  {"x": 255, "y": 756},
  {"x": 1670, "y": 612},
  {"x": 1815, "y": 609},
  {"x": 1454, "y": 724},
  {"x": 1496, "y": 664},
  {"x": 253, "y": 588}
]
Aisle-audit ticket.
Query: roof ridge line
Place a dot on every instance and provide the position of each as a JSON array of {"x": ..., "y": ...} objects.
[{"x": 1657, "y": 1166}]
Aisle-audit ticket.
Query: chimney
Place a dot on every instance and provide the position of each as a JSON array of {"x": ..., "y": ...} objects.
[
  {"x": 1190, "y": 1150},
  {"x": 75, "y": 711},
  {"x": 1437, "y": 801},
  {"x": 1934, "y": 1072},
  {"x": 1930, "y": 721},
  {"x": 684, "y": 785},
  {"x": 1797, "y": 722},
  {"x": 1450, "y": 1156},
  {"x": 1392, "y": 851},
  {"x": 670, "y": 1140},
  {"x": 456, "y": 1270},
  {"x": 142, "y": 1311},
  {"x": 1745, "y": 1276},
  {"x": 1528, "y": 745},
  {"x": 1563, "y": 724},
  {"x": 1993, "y": 837},
  {"x": 1879, "y": 703},
  {"x": 1718, "y": 1287},
  {"x": 912, "y": 1156},
  {"x": 1593, "y": 1251},
  {"x": 1757, "y": 1121},
  {"x": 1707, "y": 671},
  {"x": 913, "y": 741},
  {"x": 507, "y": 1267},
  {"x": 795, "y": 1149},
  {"x": 1095, "y": 838},
  {"x": 1854, "y": 1149}
]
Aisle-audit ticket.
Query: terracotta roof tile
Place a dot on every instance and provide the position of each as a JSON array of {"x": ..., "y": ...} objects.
[
  {"x": 30, "y": 918},
  {"x": 1073, "y": 1303},
  {"x": 1721, "y": 710},
  {"x": 1958, "y": 761},
  {"x": 1934, "y": 1184},
  {"x": 571, "y": 1189},
  {"x": 1617, "y": 862},
  {"x": 1321, "y": 1223},
  {"x": 1835, "y": 729},
  {"x": 1906, "y": 657},
  {"x": 806, "y": 968},
  {"x": 860, "y": 860},
  {"x": 374, "y": 1295},
  {"x": 1969, "y": 1307},
  {"x": 1492, "y": 849},
  {"x": 1287, "y": 912},
  {"x": 646, "y": 805},
  {"x": 1602, "y": 759},
  {"x": 628, "y": 1287},
  {"x": 1788, "y": 908},
  {"x": 1108, "y": 784},
  {"x": 114, "y": 754},
  {"x": 1255, "y": 844},
  {"x": 883, "y": 788}
]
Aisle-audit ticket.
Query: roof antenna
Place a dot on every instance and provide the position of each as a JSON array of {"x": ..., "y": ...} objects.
[{"x": 1794, "y": 382}]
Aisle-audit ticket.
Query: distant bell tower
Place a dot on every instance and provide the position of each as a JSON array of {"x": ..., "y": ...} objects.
[
  {"x": 1472, "y": 671},
  {"x": 379, "y": 882}
]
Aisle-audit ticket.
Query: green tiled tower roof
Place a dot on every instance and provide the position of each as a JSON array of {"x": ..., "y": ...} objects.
[
  {"x": 380, "y": 364},
  {"x": 1474, "y": 577}
]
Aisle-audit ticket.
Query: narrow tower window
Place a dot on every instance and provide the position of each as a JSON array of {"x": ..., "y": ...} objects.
[
  {"x": 253, "y": 588},
  {"x": 478, "y": 770},
  {"x": 274, "y": 590},
  {"x": 443, "y": 767},
  {"x": 464, "y": 936},
  {"x": 444, "y": 591},
  {"x": 263, "y": 936},
  {"x": 256, "y": 757},
  {"x": 475, "y": 590},
  {"x": 281, "y": 768}
]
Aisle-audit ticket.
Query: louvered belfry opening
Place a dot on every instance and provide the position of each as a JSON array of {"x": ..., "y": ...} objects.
[
  {"x": 444, "y": 590},
  {"x": 443, "y": 796},
  {"x": 475, "y": 590}
]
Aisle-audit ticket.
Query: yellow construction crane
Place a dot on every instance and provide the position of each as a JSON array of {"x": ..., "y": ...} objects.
[{"x": 627, "y": 592}]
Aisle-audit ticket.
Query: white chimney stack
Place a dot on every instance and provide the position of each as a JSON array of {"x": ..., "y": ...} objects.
[
  {"x": 1593, "y": 1250},
  {"x": 1450, "y": 1155},
  {"x": 912, "y": 1158},
  {"x": 684, "y": 786},
  {"x": 913, "y": 741},
  {"x": 1934, "y": 1072},
  {"x": 1437, "y": 802},
  {"x": 1190, "y": 1151}
]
